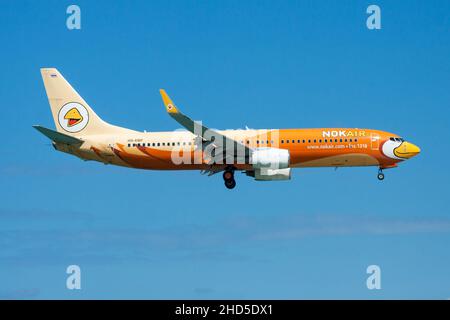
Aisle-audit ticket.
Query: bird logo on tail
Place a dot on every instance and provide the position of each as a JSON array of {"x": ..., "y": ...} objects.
[{"x": 73, "y": 117}]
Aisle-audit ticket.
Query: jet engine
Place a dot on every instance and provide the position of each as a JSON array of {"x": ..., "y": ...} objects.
[
  {"x": 271, "y": 158},
  {"x": 265, "y": 174}
]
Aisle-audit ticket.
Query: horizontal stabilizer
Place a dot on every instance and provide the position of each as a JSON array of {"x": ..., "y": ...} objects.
[{"x": 57, "y": 136}]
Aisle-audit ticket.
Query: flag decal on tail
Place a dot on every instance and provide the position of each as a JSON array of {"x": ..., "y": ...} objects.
[{"x": 73, "y": 117}]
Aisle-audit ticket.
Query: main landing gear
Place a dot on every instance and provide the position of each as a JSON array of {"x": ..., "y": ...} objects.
[
  {"x": 228, "y": 177},
  {"x": 380, "y": 174}
]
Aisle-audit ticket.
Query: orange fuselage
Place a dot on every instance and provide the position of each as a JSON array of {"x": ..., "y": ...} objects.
[{"x": 324, "y": 147}]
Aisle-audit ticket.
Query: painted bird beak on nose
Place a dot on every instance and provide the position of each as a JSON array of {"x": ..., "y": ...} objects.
[{"x": 406, "y": 150}]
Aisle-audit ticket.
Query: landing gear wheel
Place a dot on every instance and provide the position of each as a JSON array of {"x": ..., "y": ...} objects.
[
  {"x": 230, "y": 184},
  {"x": 228, "y": 175},
  {"x": 380, "y": 175}
]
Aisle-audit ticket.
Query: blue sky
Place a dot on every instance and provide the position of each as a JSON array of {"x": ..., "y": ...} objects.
[{"x": 264, "y": 64}]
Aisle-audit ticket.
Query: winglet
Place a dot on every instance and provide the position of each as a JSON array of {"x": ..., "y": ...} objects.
[{"x": 170, "y": 106}]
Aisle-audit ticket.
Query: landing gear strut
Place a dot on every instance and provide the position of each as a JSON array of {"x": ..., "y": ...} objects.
[
  {"x": 228, "y": 177},
  {"x": 380, "y": 174}
]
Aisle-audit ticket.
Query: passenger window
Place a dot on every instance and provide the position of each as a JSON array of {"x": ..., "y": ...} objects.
[
  {"x": 356, "y": 140},
  {"x": 304, "y": 141},
  {"x": 340, "y": 140},
  {"x": 282, "y": 141},
  {"x": 248, "y": 142},
  {"x": 320, "y": 141},
  {"x": 315, "y": 140},
  {"x": 159, "y": 144},
  {"x": 309, "y": 141}
]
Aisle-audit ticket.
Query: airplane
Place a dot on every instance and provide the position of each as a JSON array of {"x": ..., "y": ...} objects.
[{"x": 265, "y": 155}]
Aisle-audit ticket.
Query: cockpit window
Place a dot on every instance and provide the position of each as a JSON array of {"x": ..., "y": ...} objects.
[{"x": 392, "y": 139}]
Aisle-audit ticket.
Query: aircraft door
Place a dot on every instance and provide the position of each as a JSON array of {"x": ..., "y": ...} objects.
[{"x": 375, "y": 141}]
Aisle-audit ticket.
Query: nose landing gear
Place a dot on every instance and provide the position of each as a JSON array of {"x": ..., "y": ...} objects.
[
  {"x": 380, "y": 174},
  {"x": 228, "y": 177}
]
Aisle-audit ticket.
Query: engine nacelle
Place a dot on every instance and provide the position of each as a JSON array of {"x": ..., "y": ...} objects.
[
  {"x": 265, "y": 174},
  {"x": 270, "y": 158}
]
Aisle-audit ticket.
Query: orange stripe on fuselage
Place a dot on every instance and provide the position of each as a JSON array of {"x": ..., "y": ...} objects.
[{"x": 157, "y": 159}]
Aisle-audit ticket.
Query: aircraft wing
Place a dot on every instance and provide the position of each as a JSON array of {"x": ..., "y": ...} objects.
[{"x": 199, "y": 129}]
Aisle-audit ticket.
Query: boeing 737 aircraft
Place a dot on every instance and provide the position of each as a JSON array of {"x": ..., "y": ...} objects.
[{"x": 265, "y": 155}]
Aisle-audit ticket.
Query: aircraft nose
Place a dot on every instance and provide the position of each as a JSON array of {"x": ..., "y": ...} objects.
[{"x": 407, "y": 150}]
